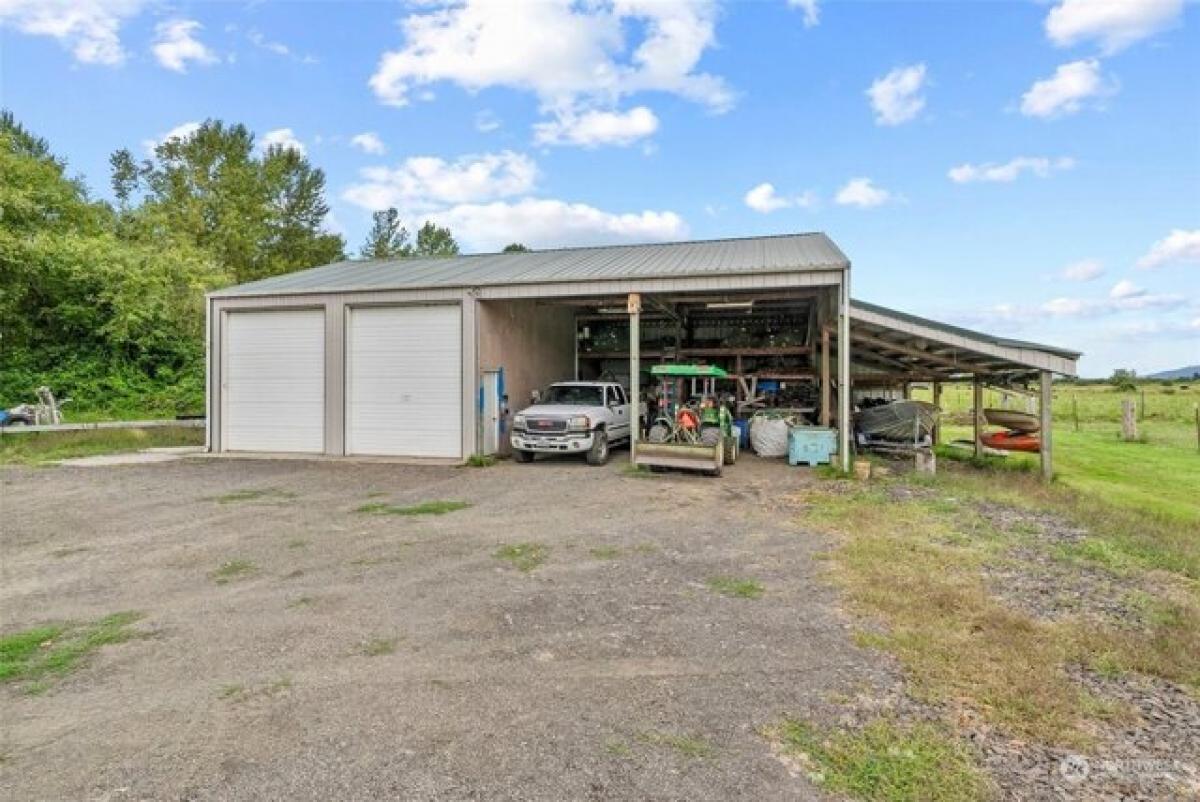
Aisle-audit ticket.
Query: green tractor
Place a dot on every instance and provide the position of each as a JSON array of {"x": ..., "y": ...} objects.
[{"x": 698, "y": 435}]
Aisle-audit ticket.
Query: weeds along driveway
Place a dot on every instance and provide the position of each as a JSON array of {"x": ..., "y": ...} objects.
[{"x": 573, "y": 633}]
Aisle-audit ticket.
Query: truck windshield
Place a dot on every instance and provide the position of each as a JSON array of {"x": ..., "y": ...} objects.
[{"x": 572, "y": 394}]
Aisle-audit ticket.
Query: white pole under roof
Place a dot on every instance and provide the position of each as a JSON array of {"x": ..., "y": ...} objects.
[
  {"x": 844, "y": 370},
  {"x": 635, "y": 345}
]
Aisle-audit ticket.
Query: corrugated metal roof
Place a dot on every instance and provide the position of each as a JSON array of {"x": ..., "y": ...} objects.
[
  {"x": 1005, "y": 342},
  {"x": 789, "y": 252}
]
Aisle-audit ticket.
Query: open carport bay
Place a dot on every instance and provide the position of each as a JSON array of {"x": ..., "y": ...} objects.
[{"x": 360, "y": 655}]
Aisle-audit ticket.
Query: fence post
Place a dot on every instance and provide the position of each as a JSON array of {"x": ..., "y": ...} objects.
[
  {"x": 1075, "y": 410},
  {"x": 1142, "y": 408},
  {"x": 1128, "y": 420}
]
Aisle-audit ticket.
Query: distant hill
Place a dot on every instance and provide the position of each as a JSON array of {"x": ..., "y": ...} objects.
[{"x": 1177, "y": 373}]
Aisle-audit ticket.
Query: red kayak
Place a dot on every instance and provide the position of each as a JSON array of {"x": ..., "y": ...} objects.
[{"x": 1012, "y": 441}]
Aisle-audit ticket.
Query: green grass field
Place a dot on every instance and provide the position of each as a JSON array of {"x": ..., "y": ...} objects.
[
  {"x": 1091, "y": 403},
  {"x": 1159, "y": 474},
  {"x": 37, "y": 448}
]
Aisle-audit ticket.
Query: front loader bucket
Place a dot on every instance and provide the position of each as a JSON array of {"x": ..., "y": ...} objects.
[{"x": 681, "y": 456}]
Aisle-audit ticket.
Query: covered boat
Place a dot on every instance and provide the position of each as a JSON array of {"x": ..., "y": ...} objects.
[
  {"x": 1013, "y": 420},
  {"x": 900, "y": 421}
]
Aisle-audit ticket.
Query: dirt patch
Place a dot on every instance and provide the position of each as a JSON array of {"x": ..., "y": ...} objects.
[
  {"x": 1035, "y": 575},
  {"x": 395, "y": 657},
  {"x": 1150, "y": 750}
]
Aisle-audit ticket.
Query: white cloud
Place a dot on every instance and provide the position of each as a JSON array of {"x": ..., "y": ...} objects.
[
  {"x": 1067, "y": 307},
  {"x": 427, "y": 182},
  {"x": 567, "y": 50},
  {"x": 1125, "y": 289},
  {"x": 486, "y": 121},
  {"x": 593, "y": 128},
  {"x": 485, "y": 200},
  {"x": 577, "y": 58},
  {"x": 263, "y": 43},
  {"x": 811, "y": 9},
  {"x": 1065, "y": 92},
  {"x": 259, "y": 40},
  {"x": 284, "y": 138},
  {"x": 90, "y": 30},
  {"x": 1009, "y": 171},
  {"x": 548, "y": 223},
  {"x": 763, "y": 198},
  {"x": 369, "y": 142},
  {"x": 1144, "y": 300},
  {"x": 1085, "y": 270},
  {"x": 1178, "y": 246},
  {"x": 175, "y": 45},
  {"x": 1118, "y": 301},
  {"x": 896, "y": 97},
  {"x": 181, "y": 131},
  {"x": 1115, "y": 24},
  {"x": 861, "y": 192}
]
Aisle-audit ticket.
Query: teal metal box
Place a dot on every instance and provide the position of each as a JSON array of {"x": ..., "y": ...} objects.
[{"x": 811, "y": 445}]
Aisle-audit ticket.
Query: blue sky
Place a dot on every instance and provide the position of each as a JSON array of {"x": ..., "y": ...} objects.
[{"x": 1028, "y": 168}]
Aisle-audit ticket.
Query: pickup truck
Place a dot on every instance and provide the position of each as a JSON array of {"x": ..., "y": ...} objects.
[{"x": 579, "y": 417}]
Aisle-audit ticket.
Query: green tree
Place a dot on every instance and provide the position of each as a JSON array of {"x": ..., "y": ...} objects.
[
  {"x": 82, "y": 308},
  {"x": 515, "y": 247},
  {"x": 434, "y": 240},
  {"x": 257, "y": 215},
  {"x": 388, "y": 238}
]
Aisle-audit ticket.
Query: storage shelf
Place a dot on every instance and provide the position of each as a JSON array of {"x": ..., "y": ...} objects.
[{"x": 781, "y": 350}]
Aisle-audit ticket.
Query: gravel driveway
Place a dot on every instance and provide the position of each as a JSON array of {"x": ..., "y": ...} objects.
[{"x": 368, "y": 656}]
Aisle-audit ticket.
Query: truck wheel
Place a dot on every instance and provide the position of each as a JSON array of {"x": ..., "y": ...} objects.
[
  {"x": 598, "y": 453},
  {"x": 522, "y": 456},
  {"x": 658, "y": 434},
  {"x": 710, "y": 435}
]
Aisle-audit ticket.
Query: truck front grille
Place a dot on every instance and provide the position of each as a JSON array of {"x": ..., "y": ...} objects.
[{"x": 545, "y": 425}]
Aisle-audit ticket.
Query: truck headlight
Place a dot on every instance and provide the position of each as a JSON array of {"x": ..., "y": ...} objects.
[
  {"x": 518, "y": 421},
  {"x": 579, "y": 423}
]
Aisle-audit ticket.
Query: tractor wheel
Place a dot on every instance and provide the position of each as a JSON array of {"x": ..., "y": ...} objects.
[
  {"x": 658, "y": 434},
  {"x": 598, "y": 453},
  {"x": 710, "y": 435},
  {"x": 731, "y": 450},
  {"x": 522, "y": 456}
]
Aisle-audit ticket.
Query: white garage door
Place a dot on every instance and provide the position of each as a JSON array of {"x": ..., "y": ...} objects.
[
  {"x": 273, "y": 383},
  {"x": 404, "y": 381}
]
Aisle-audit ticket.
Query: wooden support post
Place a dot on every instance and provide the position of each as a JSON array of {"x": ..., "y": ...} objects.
[
  {"x": 1075, "y": 411},
  {"x": 977, "y": 413},
  {"x": 738, "y": 397},
  {"x": 1197, "y": 411},
  {"x": 826, "y": 389},
  {"x": 1046, "y": 408},
  {"x": 1128, "y": 420},
  {"x": 937, "y": 402}
]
